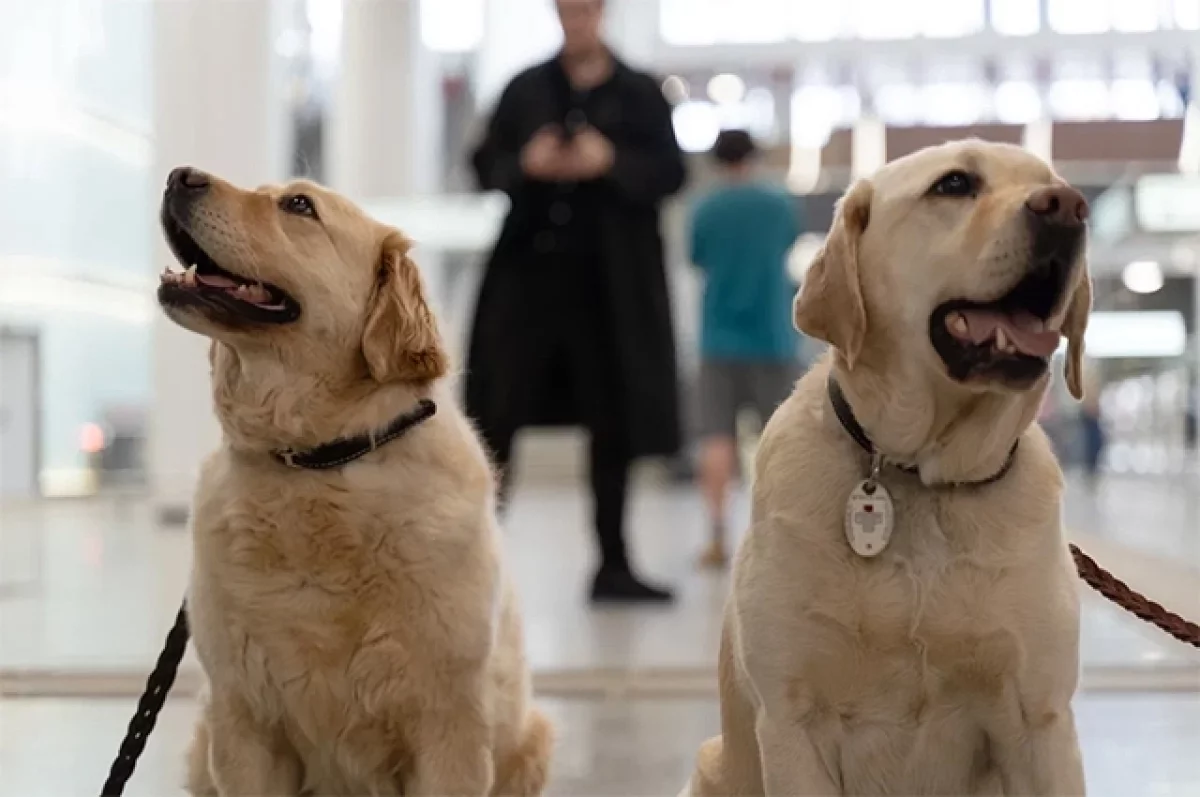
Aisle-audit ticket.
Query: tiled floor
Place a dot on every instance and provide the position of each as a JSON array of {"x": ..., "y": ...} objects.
[
  {"x": 90, "y": 587},
  {"x": 1143, "y": 746}
]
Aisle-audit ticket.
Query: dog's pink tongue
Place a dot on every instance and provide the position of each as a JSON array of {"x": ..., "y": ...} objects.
[
  {"x": 216, "y": 281},
  {"x": 1026, "y": 332}
]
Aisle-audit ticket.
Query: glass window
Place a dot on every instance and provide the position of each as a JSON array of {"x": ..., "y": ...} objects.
[
  {"x": 817, "y": 20},
  {"x": 689, "y": 22},
  {"x": 1134, "y": 16},
  {"x": 76, "y": 218},
  {"x": 452, "y": 26},
  {"x": 1079, "y": 16},
  {"x": 886, "y": 19},
  {"x": 951, "y": 18},
  {"x": 707, "y": 22},
  {"x": 1187, "y": 14},
  {"x": 1016, "y": 17},
  {"x": 754, "y": 21}
]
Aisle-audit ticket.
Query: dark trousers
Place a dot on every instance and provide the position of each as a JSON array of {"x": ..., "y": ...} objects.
[
  {"x": 569, "y": 357},
  {"x": 608, "y": 476}
]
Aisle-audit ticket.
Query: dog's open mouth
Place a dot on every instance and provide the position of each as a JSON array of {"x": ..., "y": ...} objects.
[
  {"x": 1008, "y": 338},
  {"x": 200, "y": 282}
]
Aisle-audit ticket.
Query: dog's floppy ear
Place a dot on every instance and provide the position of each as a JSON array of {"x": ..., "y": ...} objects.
[
  {"x": 1074, "y": 327},
  {"x": 830, "y": 305},
  {"x": 400, "y": 341}
]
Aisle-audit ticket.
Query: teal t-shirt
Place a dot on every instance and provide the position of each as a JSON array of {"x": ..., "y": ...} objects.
[{"x": 740, "y": 238}]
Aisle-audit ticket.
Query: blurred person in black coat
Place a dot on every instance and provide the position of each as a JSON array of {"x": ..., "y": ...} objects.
[{"x": 573, "y": 321}]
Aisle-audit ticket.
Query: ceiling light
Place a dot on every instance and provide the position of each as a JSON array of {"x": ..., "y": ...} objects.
[
  {"x": 1143, "y": 276},
  {"x": 696, "y": 125},
  {"x": 726, "y": 89},
  {"x": 675, "y": 89},
  {"x": 1136, "y": 334}
]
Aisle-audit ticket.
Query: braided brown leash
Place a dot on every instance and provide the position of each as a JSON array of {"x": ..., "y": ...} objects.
[{"x": 1133, "y": 602}]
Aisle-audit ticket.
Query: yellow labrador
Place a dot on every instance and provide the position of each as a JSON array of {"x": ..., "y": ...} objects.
[
  {"x": 941, "y": 659},
  {"x": 348, "y": 602}
]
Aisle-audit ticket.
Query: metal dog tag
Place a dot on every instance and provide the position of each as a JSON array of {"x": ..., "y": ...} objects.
[{"x": 869, "y": 518}]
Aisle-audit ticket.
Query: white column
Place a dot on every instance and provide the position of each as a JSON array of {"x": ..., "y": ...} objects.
[
  {"x": 386, "y": 119},
  {"x": 218, "y": 105},
  {"x": 388, "y": 114},
  {"x": 868, "y": 147}
]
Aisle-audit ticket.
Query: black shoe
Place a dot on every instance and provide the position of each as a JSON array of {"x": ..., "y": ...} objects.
[{"x": 623, "y": 587}]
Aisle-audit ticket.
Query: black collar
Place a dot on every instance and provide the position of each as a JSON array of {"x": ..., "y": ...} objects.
[
  {"x": 347, "y": 449},
  {"x": 841, "y": 408}
]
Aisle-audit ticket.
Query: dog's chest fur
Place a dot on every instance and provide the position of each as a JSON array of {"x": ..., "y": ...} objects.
[
  {"x": 934, "y": 595},
  {"x": 319, "y": 607},
  {"x": 897, "y": 664}
]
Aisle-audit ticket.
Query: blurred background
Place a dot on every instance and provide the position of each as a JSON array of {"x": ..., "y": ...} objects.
[{"x": 104, "y": 407}]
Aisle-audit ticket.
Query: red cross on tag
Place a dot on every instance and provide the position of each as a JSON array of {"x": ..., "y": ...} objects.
[{"x": 868, "y": 521}]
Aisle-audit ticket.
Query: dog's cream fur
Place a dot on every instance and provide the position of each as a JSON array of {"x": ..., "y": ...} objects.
[
  {"x": 355, "y": 625},
  {"x": 947, "y": 664}
]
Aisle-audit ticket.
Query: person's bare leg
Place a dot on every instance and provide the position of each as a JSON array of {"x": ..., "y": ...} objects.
[{"x": 718, "y": 463}]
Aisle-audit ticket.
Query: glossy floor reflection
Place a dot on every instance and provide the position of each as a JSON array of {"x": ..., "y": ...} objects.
[
  {"x": 93, "y": 586},
  {"x": 1158, "y": 516},
  {"x": 1134, "y": 746}
]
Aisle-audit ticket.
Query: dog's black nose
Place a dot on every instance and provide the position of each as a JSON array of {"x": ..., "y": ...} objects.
[
  {"x": 187, "y": 179},
  {"x": 1059, "y": 205}
]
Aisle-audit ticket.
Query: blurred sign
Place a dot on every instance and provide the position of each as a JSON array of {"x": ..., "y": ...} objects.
[
  {"x": 1167, "y": 203},
  {"x": 1139, "y": 334}
]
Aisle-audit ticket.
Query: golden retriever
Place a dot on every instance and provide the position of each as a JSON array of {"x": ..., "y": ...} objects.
[
  {"x": 355, "y": 625},
  {"x": 943, "y": 661}
]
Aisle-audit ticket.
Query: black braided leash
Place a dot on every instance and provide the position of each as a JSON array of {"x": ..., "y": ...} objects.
[{"x": 157, "y": 686}]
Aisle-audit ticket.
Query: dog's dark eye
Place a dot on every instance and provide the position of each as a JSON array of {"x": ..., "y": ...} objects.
[
  {"x": 955, "y": 183},
  {"x": 299, "y": 205}
]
